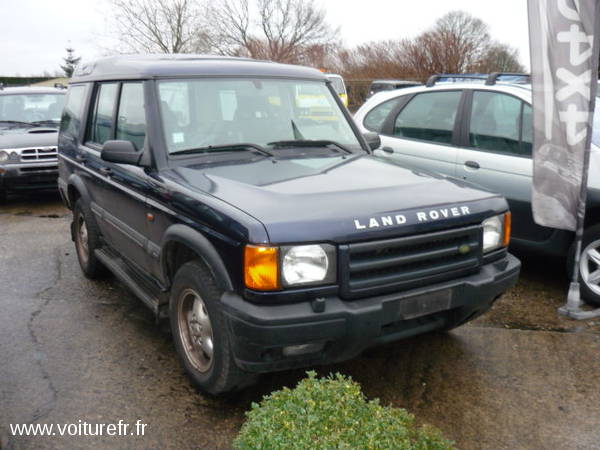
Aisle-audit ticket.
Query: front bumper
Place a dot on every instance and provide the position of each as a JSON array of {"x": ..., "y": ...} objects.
[
  {"x": 260, "y": 332},
  {"x": 29, "y": 176}
]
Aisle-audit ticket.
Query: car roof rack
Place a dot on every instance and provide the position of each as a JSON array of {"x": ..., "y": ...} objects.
[
  {"x": 493, "y": 77},
  {"x": 490, "y": 79},
  {"x": 438, "y": 76}
]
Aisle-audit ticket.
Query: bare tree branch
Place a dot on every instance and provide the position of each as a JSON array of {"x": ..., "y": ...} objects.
[
  {"x": 278, "y": 30},
  {"x": 159, "y": 26}
]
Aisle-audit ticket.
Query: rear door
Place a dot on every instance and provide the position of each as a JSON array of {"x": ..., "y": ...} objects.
[
  {"x": 423, "y": 133},
  {"x": 496, "y": 154}
]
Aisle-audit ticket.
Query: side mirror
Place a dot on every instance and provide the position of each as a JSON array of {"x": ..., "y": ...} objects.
[
  {"x": 121, "y": 152},
  {"x": 348, "y": 89},
  {"x": 373, "y": 140}
]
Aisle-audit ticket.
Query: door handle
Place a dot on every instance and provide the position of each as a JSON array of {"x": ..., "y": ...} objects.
[
  {"x": 388, "y": 149},
  {"x": 106, "y": 171},
  {"x": 472, "y": 164},
  {"x": 79, "y": 157}
]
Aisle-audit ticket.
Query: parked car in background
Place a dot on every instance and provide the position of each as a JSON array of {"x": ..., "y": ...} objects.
[
  {"x": 481, "y": 131},
  {"x": 339, "y": 86},
  {"x": 390, "y": 85},
  {"x": 29, "y": 120},
  {"x": 211, "y": 189}
]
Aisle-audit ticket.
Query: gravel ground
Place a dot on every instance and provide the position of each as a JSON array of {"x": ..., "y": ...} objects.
[{"x": 71, "y": 349}]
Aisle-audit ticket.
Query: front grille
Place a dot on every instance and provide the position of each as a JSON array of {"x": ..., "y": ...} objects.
[
  {"x": 39, "y": 169},
  {"x": 39, "y": 154},
  {"x": 392, "y": 265}
]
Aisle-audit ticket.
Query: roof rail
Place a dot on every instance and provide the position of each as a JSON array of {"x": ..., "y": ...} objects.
[
  {"x": 435, "y": 78},
  {"x": 493, "y": 77}
]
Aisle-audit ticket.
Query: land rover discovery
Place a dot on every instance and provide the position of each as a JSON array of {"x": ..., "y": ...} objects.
[{"x": 270, "y": 237}]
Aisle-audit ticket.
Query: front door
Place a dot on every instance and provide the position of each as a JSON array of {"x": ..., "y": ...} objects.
[
  {"x": 119, "y": 190},
  {"x": 422, "y": 134}
]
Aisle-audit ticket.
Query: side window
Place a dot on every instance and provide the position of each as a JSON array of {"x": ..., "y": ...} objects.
[
  {"x": 131, "y": 123},
  {"x": 527, "y": 133},
  {"x": 495, "y": 122},
  {"x": 102, "y": 117},
  {"x": 375, "y": 119},
  {"x": 429, "y": 117},
  {"x": 71, "y": 118}
]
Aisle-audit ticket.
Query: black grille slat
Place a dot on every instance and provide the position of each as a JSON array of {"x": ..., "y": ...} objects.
[
  {"x": 370, "y": 268},
  {"x": 369, "y": 264}
]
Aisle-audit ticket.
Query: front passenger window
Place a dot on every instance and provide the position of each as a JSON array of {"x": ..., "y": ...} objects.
[
  {"x": 429, "y": 117},
  {"x": 375, "y": 119}
]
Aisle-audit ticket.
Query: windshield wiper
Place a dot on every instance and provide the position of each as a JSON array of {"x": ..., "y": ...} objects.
[
  {"x": 310, "y": 143},
  {"x": 43, "y": 122},
  {"x": 17, "y": 122},
  {"x": 223, "y": 148}
]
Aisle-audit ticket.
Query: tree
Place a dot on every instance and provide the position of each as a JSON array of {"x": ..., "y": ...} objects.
[
  {"x": 71, "y": 62},
  {"x": 158, "y": 26},
  {"x": 456, "y": 44},
  {"x": 290, "y": 31},
  {"x": 501, "y": 58}
]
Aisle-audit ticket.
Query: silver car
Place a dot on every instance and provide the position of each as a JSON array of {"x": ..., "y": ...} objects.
[{"x": 481, "y": 132}]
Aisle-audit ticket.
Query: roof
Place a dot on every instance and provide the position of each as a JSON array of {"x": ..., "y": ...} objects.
[
  {"x": 522, "y": 91},
  {"x": 186, "y": 65},
  {"x": 31, "y": 90}
]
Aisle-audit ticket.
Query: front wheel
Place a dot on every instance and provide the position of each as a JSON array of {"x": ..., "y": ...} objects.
[
  {"x": 200, "y": 332},
  {"x": 589, "y": 265}
]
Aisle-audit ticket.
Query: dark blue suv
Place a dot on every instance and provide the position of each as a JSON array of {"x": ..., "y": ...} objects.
[{"x": 238, "y": 199}]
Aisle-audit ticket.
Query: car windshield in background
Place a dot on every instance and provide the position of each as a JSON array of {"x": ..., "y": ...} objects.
[
  {"x": 338, "y": 85},
  {"x": 201, "y": 113},
  {"x": 31, "y": 107}
]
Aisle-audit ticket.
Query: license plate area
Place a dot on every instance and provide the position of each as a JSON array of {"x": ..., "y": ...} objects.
[{"x": 424, "y": 304}]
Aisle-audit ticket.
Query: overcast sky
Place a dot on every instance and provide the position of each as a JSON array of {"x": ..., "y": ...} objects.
[{"x": 34, "y": 33}]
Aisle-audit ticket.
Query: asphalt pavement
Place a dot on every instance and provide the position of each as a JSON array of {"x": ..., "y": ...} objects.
[{"x": 74, "y": 351}]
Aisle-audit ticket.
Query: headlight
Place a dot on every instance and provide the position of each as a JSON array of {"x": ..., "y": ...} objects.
[
  {"x": 3, "y": 156},
  {"x": 268, "y": 268},
  {"x": 496, "y": 232},
  {"x": 305, "y": 264}
]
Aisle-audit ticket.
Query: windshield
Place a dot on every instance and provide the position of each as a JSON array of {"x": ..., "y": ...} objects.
[
  {"x": 31, "y": 107},
  {"x": 212, "y": 112}
]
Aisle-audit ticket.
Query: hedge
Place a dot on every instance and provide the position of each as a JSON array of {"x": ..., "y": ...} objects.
[{"x": 332, "y": 413}]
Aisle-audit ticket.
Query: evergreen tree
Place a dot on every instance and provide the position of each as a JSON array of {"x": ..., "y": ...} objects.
[{"x": 70, "y": 62}]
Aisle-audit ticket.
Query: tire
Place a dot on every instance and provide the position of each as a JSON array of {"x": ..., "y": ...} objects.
[
  {"x": 87, "y": 239},
  {"x": 200, "y": 332},
  {"x": 589, "y": 266}
]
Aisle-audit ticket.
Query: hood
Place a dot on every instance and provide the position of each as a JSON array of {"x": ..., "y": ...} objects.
[
  {"x": 340, "y": 199},
  {"x": 28, "y": 137}
]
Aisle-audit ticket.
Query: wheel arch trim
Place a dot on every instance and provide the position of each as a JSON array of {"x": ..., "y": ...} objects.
[{"x": 196, "y": 242}]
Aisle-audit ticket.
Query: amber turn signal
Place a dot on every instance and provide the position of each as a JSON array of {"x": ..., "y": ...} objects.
[
  {"x": 261, "y": 268},
  {"x": 507, "y": 225}
]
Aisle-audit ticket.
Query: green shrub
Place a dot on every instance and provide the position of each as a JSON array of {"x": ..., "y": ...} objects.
[{"x": 331, "y": 413}]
